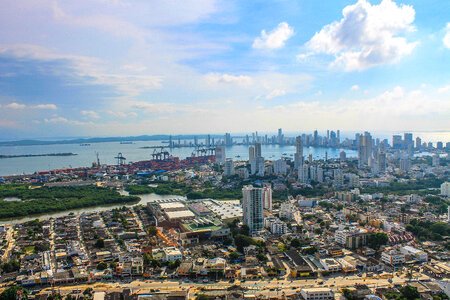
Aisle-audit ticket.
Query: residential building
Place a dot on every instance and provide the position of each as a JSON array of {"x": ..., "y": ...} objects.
[
  {"x": 317, "y": 294},
  {"x": 252, "y": 206},
  {"x": 228, "y": 167},
  {"x": 392, "y": 257}
]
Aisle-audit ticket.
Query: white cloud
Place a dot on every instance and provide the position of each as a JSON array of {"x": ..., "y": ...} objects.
[
  {"x": 62, "y": 120},
  {"x": 216, "y": 78},
  {"x": 354, "y": 87},
  {"x": 121, "y": 114},
  {"x": 367, "y": 35},
  {"x": 45, "y": 106},
  {"x": 274, "y": 39},
  {"x": 15, "y": 105},
  {"x": 90, "y": 113},
  {"x": 85, "y": 66},
  {"x": 276, "y": 93},
  {"x": 444, "y": 89},
  {"x": 319, "y": 93},
  {"x": 446, "y": 39}
]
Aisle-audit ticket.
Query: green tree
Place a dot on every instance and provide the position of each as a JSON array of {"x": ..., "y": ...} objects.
[
  {"x": 295, "y": 243},
  {"x": 349, "y": 294},
  {"x": 410, "y": 292},
  {"x": 12, "y": 293},
  {"x": 102, "y": 266},
  {"x": 241, "y": 241},
  {"x": 201, "y": 297},
  {"x": 234, "y": 256},
  {"x": 152, "y": 231},
  {"x": 377, "y": 239},
  {"x": 88, "y": 291},
  {"x": 100, "y": 243}
]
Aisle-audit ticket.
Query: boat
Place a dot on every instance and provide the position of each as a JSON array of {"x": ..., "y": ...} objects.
[
  {"x": 238, "y": 156},
  {"x": 126, "y": 142},
  {"x": 85, "y": 144}
]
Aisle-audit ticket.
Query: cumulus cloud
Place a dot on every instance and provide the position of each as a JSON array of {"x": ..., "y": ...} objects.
[
  {"x": 444, "y": 89},
  {"x": 274, "y": 39},
  {"x": 90, "y": 113},
  {"x": 354, "y": 87},
  {"x": 217, "y": 78},
  {"x": 276, "y": 93},
  {"x": 88, "y": 67},
  {"x": 121, "y": 114},
  {"x": 62, "y": 120},
  {"x": 446, "y": 39},
  {"x": 15, "y": 105},
  {"x": 367, "y": 35}
]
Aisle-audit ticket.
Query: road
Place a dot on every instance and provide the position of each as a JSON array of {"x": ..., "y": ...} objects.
[
  {"x": 264, "y": 287},
  {"x": 10, "y": 240}
]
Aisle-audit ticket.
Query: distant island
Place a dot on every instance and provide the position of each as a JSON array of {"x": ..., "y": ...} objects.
[
  {"x": 128, "y": 139},
  {"x": 36, "y": 155}
]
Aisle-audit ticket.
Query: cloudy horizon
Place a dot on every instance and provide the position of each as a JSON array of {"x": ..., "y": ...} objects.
[{"x": 115, "y": 68}]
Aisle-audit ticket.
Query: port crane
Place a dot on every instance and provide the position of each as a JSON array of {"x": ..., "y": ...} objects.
[
  {"x": 162, "y": 154},
  {"x": 200, "y": 151},
  {"x": 120, "y": 159}
]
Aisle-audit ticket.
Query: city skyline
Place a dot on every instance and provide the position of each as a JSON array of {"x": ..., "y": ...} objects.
[{"x": 140, "y": 68}]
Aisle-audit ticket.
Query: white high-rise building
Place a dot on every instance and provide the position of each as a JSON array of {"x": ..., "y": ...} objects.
[
  {"x": 353, "y": 180},
  {"x": 319, "y": 175},
  {"x": 279, "y": 166},
  {"x": 220, "y": 154},
  {"x": 252, "y": 207},
  {"x": 286, "y": 210},
  {"x": 258, "y": 150},
  {"x": 298, "y": 156},
  {"x": 251, "y": 153},
  {"x": 382, "y": 162},
  {"x": 257, "y": 166},
  {"x": 338, "y": 177},
  {"x": 342, "y": 156},
  {"x": 228, "y": 167},
  {"x": 303, "y": 173},
  {"x": 436, "y": 160},
  {"x": 405, "y": 164},
  {"x": 267, "y": 198},
  {"x": 445, "y": 189},
  {"x": 313, "y": 173}
]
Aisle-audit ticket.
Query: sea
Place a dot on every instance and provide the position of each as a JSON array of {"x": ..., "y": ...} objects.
[{"x": 86, "y": 155}]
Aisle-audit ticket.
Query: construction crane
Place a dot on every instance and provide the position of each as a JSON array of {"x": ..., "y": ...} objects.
[{"x": 120, "y": 159}]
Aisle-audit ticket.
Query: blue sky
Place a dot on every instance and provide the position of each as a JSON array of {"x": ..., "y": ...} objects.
[{"x": 117, "y": 67}]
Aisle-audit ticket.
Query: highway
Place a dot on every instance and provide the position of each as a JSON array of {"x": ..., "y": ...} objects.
[{"x": 264, "y": 287}]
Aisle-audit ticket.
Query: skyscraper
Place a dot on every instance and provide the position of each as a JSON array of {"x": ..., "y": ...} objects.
[
  {"x": 397, "y": 142},
  {"x": 220, "y": 154},
  {"x": 298, "y": 156},
  {"x": 251, "y": 153},
  {"x": 382, "y": 162},
  {"x": 228, "y": 167},
  {"x": 252, "y": 207},
  {"x": 228, "y": 140},
  {"x": 364, "y": 149},
  {"x": 280, "y": 137},
  {"x": 267, "y": 198},
  {"x": 257, "y": 149}
]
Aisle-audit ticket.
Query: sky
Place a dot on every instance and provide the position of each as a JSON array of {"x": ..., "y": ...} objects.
[{"x": 119, "y": 67}]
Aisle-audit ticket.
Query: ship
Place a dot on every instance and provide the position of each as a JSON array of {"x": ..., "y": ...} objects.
[
  {"x": 85, "y": 144},
  {"x": 126, "y": 142}
]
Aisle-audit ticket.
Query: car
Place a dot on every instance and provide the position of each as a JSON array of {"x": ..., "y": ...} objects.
[
  {"x": 186, "y": 281},
  {"x": 206, "y": 280}
]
